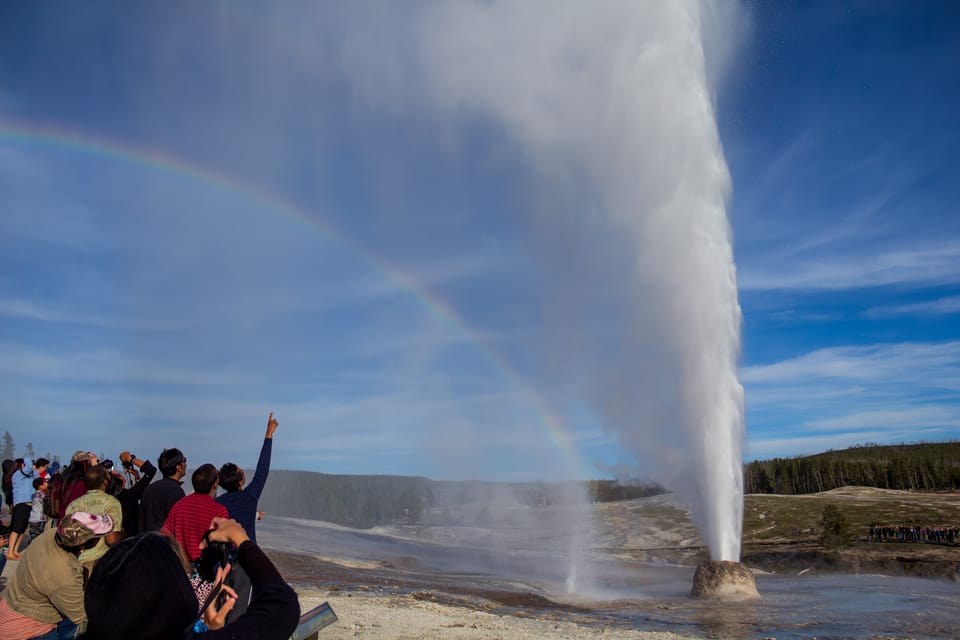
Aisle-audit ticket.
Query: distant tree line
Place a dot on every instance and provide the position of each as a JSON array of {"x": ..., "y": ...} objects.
[
  {"x": 350, "y": 500},
  {"x": 924, "y": 466},
  {"x": 614, "y": 491},
  {"x": 362, "y": 502}
]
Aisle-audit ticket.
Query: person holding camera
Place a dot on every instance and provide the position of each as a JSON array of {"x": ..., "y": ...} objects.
[
  {"x": 163, "y": 605},
  {"x": 130, "y": 471},
  {"x": 129, "y": 497}
]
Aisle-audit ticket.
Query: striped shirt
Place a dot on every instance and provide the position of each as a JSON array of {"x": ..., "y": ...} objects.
[
  {"x": 16, "y": 626},
  {"x": 190, "y": 518}
]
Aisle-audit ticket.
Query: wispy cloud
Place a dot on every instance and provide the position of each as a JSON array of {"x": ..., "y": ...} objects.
[
  {"x": 942, "y": 306},
  {"x": 61, "y": 314},
  {"x": 411, "y": 426},
  {"x": 108, "y": 366},
  {"x": 814, "y": 211},
  {"x": 847, "y": 395},
  {"x": 922, "y": 416},
  {"x": 933, "y": 264},
  {"x": 934, "y": 363}
]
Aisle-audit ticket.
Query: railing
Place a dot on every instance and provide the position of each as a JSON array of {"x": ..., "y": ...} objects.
[{"x": 313, "y": 621}]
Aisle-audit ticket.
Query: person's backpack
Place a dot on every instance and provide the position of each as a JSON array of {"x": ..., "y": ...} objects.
[{"x": 51, "y": 501}]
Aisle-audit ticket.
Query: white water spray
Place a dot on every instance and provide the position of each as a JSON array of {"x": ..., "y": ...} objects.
[{"x": 611, "y": 104}]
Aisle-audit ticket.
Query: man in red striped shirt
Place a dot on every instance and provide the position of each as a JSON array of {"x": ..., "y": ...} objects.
[{"x": 191, "y": 516}]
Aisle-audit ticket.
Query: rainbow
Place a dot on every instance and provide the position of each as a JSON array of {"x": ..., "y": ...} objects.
[{"x": 51, "y": 135}]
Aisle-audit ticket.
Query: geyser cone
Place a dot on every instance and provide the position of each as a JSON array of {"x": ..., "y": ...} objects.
[{"x": 724, "y": 580}]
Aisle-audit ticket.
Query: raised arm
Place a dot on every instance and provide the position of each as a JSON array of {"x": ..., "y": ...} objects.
[
  {"x": 255, "y": 488},
  {"x": 147, "y": 470}
]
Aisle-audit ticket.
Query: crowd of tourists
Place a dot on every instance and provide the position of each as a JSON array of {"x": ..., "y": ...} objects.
[
  {"x": 109, "y": 554},
  {"x": 911, "y": 533}
]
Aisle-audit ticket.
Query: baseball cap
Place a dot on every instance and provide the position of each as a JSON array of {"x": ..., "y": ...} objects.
[{"x": 81, "y": 527}]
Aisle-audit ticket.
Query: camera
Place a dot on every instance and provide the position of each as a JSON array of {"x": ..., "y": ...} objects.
[{"x": 214, "y": 556}]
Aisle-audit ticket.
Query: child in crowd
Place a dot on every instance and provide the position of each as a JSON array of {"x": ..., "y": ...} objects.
[{"x": 38, "y": 519}]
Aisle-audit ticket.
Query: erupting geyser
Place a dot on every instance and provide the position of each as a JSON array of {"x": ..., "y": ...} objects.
[{"x": 611, "y": 106}]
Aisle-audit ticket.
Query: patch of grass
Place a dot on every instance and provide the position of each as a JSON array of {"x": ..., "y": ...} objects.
[{"x": 779, "y": 518}]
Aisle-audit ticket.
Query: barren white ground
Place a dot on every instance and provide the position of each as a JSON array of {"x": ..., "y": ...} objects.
[{"x": 382, "y": 617}]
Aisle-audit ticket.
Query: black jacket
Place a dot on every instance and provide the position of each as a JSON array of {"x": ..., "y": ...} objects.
[
  {"x": 140, "y": 591},
  {"x": 130, "y": 499},
  {"x": 156, "y": 502}
]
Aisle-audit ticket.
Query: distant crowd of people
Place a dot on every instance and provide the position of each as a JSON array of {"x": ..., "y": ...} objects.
[
  {"x": 911, "y": 533},
  {"x": 107, "y": 554}
]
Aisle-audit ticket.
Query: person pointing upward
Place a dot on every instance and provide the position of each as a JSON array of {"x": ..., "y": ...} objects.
[
  {"x": 241, "y": 498},
  {"x": 241, "y": 501}
]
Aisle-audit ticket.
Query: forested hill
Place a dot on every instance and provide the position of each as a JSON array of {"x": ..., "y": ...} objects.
[
  {"x": 927, "y": 466},
  {"x": 350, "y": 500},
  {"x": 365, "y": 501}
]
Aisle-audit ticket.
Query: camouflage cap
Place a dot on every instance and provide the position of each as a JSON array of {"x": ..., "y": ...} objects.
[{"x": 81, "y": 527}]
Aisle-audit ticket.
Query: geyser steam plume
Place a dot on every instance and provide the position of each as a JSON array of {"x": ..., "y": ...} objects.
[{"x": 611, "y": 103}]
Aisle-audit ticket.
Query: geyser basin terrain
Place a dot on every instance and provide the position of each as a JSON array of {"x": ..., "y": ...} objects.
[{"x": 724, "y": 580}]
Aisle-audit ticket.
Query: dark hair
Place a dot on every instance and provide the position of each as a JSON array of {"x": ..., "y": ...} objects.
[
  {"x": 205, "y": 478},
  {"x": 74, "y": 472},
  {"x": 230, "y": 477},
  {"x": 41, "y": 462},
  {"x": 95, "y": 477},
  {"x": 169, "y": 460},
  {"x": 38, "y": 482},
  {"x": 115, "y": 485}
]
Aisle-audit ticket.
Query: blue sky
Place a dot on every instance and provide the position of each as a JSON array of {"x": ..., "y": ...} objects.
[{"x": 351, "y": 215}]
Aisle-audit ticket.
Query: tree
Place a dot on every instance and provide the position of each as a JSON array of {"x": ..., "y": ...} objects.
[
  {"x": 835, "y": 530},
  {"x": 8, "y": 451},
  {"x": 30, "y": 452}
]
